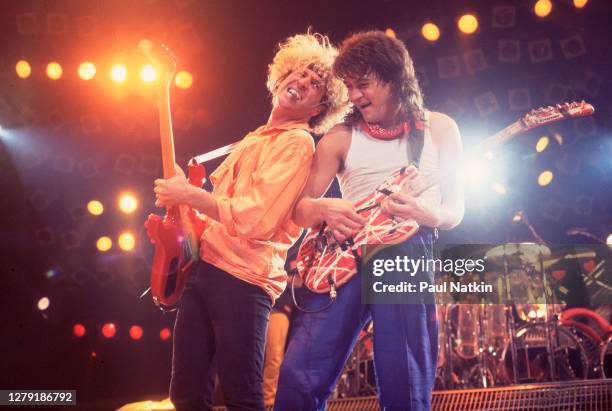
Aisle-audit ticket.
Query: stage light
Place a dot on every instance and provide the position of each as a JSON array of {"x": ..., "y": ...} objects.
[
  {"x": 468, "y": 23},
  {"x": 95, "y": 207},
  {"x": 128, "y": 203},
  {"x": 542, "y": 8},
  {"x": 23, "y": 69},
  {"x": 148, "y": 73},
  {"x": 164, "y": 334},
  {"x": 580, "y": 3},
  {"x": 136, "y": 332},
  {"x": 542, "y": 144},
  {"x": 104, "y": 244},
  {"x": 545, "y": 178},
  {"x": 78, "y": 330},
  {"x": 474, "y": 172},
  {"x": 43, "y": 303},
  {"x": 54, "y": 70},
  {"x": 87, "y": 70},
  {"x": 390, "y": 33},
  {"x": 517, "y": 217},
  {"x": 183, "y": 79},
  {"x": 609, "y": 239},
  {"x": 51, "y": 273},
  {"x": 118, "y": 73},
  {"x": 127, "y": 241},
  {"x": 109, "y": 330},
  {"x": 430, "y": 31},
  {"x": 499, "y": 188}
]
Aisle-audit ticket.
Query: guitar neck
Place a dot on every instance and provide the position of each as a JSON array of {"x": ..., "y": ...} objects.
[
  {"x": 165, "y": 132},
  {"x": 502, "y": 136}
]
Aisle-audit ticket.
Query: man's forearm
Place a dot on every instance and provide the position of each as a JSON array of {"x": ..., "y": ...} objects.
[
  {"x": 307, "y": 212},
  {"x": 202, "y": 201}
]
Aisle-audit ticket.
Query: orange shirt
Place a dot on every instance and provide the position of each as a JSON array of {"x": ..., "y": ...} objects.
[{"x": 256, "y": 188}]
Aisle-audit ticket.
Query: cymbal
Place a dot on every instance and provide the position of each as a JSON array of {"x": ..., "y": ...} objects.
[{"x": 518, "y": 254}]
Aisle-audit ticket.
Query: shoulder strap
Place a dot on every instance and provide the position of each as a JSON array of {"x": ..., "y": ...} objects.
[{"x": 416, "y": 140}]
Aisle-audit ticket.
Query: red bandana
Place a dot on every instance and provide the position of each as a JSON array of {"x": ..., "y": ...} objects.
[{"x": 376, "y": 131}]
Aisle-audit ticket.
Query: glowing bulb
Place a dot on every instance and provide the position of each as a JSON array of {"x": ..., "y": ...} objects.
[
  {"x": 391, "y": 33},
  {"x": 118, "y": 73},
  {"x": 23, "y": 69},
  {"x": 580, "y": 3},
  {"x": 127, "y": 241},
  {"x": 542, "y": 8},
  {"x": 104, "y": 244},
  {"x": 54, "y": 70},
  {"x": 87, "y": 70},
  {"x": 78, "y": 330},
  {"x": 135, "y": 332},
  {"x": 430, "y": 31},
  {"x": 468, "y": 23},
  {"x": 43, "y": 304},
  {"x": 183, "y": 79},
  {"x": 109, "y": 330},
  {"x": 542, "y": 144},
  {"x": 128, "y": 203},
  {"x": 165, "y": 334},
  {"x": 95, "y": 207},
  {"x": 148, "y": 73},
  {"x": 545, "y": 178}
]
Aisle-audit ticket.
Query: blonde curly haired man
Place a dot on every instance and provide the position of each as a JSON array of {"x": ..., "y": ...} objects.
[{"x": 223, "y": 313}]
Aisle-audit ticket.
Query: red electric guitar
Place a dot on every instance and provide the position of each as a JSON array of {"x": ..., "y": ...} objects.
[
  {"x": 176, "y": 235},
  {"x": 325, "y": 264}
]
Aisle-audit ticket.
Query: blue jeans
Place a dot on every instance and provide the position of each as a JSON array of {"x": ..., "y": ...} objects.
[
  {"x": 221, "y": 324},
  {"x": 405, "y": 349}
]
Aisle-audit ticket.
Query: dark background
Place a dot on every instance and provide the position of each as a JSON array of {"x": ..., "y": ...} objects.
[{"x": 69, "y": 141}]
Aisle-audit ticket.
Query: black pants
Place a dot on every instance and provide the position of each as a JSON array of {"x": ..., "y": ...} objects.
[{"x": 221, "y": 324}]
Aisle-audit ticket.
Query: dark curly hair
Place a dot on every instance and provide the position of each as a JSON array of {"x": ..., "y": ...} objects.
[{"x": 373, "y": 52}]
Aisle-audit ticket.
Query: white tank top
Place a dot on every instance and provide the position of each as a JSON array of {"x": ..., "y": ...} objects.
[{"x": 370, "y": 161}]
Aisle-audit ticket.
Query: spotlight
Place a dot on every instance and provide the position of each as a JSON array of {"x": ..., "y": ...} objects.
[
  {"x": 95, "y": 207},
  {"x": 128, "y": 203},
  {"x": 127, "y": 241},
  {"x": 118, "y": 73},
  {"x": 430, "y": 31},
  {"x": 391, "y": 33},
  {"x": 136, "y": 332},
  {"x": 78, "y": 330},
  {"x": 609, "y": 239},
  {"x": 164, "y": 334},
  {"x": 518, "y": 216},
  {"x": 43, "y": 303},
  {"x": 148, "y": 73},
  {"x": 499, "y": 188},
  {"x": 109, "y": 330},
  {"x": 104, "y": 244},
  {"x": 545, "y": 178},
  {"x": 87, "y": 70},
  {"x": 23, "y": 69},
  {"x": 468, "y": 23},
  {"x": 580, "y": 3},
  {"x": 542, "y": 8},
  {"x": 183, "y": 79},
  {"x": 54, "y": 70},
  {"x": 542, "y": 144}
]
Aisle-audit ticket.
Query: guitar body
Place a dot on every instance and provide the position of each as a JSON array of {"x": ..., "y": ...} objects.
[
  {"x": 323, "y": 262},
  {"x": 176, "y": 238}
]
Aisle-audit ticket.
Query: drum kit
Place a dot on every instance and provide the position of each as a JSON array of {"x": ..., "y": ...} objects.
[{"x": 532, "y": 336}]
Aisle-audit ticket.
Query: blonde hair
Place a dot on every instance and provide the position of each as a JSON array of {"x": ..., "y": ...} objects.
[{"x": 297, "y": 53}]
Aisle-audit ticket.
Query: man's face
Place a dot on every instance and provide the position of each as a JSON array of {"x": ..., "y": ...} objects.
[
  {"x": 373, "y": 98},
  {"x": 301, "y": 93}
]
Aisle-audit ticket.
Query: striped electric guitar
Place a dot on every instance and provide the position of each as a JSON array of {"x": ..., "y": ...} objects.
[
  {"x": 325, "y": 264},
  {"x": 176, "y": 236}
]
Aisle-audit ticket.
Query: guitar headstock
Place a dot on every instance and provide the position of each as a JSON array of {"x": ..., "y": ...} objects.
[
  {"x": 549, "y": 114},
  {"x": 160, "y": 57}
]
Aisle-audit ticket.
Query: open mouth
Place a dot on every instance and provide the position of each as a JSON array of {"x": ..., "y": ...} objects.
[
  {"x": 293, "y": 93},
  {"x": 363, "y": 106}
]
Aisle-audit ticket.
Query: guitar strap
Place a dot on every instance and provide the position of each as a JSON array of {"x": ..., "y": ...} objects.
[{"x": 416, "y": 141}]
